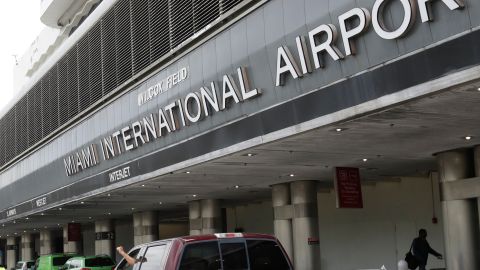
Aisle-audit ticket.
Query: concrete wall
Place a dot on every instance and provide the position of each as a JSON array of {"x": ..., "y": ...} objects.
[
  {"x": 381, "y": 233},
  {"x": 254, "y": 217},
  {"x": 123, "y": 235},
  {"x": 170, "y": 230},
  {"x": 88, "y": 237}
]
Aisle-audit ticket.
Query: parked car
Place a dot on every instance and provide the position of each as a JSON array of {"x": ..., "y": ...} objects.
[
  {"x": 226, "y": 251},
  {"x": 24, "y": 265},
  {"x": 99, "y": 262},
  {"x": 52, "y": 261}
]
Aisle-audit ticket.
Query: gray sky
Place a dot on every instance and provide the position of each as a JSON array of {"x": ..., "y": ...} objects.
[{"x": 19, "y": 26}]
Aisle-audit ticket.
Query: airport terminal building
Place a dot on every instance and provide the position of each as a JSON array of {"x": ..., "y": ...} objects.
[{"x": 342, "y": 127}]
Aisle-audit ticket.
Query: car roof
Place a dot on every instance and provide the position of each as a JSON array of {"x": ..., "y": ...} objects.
[
  {"x": 59, "y": 255},
  {"x": 207, "y": 237},
  {"x": 196, "y": 238}
]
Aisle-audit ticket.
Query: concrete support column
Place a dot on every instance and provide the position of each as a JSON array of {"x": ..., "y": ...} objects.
[
  {"x": 104, "y": 237},
  {"x": 282, "y": 223},
  {"x": 205, "y": 217},
  {"x": 211, "y": 216},
  {"x": 45, "y": 242},
  {"x": 460, "y": 216},
  {"x": 145, "y": 227},
  {"x": 27, "y": 247},
  {"x": 305, "y": 225},
  {"x": 11, "y": 253},
  {"x": 195, "y": 217},
  {"x": 70, "y": 246}
]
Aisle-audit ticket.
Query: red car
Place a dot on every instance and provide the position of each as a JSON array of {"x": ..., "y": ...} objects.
[{"x": 225, "y": 251}]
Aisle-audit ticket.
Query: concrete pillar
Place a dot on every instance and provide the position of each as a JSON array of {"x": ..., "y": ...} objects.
[
  {"x": 11, "y": 253},
  {"x": 460, "y": 216},
  {"x": 27, "y": 247},
  {"x": 104, "y": 237},
  {"x": 305, "y": 225},
  {"x": 282, "y": 223},
  {"x": 476, "y": 152},
  {"x": 211, "y": 216},
  {"x": 45, "y": 242},
  {"x": 145, "y": 227},
  {"x": 195, "y": 217},
  {"x": 70, "y": 246}
]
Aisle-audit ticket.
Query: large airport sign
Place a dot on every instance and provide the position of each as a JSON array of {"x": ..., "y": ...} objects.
[
  {"x": 178, "y": 114},
  {"x": 197, "y": 105},
  {"x": 323, "y": 39}
]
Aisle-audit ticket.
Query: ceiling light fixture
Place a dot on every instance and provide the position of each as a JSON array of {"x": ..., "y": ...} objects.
[
  {"x": 60, "y": 208},
  {"x": 292, "y": 175},
  {"x": 365, "y": 159},
  {"x": 143, "y": 185},
  {"x": 468, "y": 138},
  {"x": 339, "y": 129},
  {"x": 160, "y": 202},
  {"x": 27, "y": 218},
  {"x": 82, "y": 202},
  {"x": 108, "y": 195},
  {"x": 187, "y": 172},
  {"x": 237, "y": 187},
  {"x": 194, "y": 195}
]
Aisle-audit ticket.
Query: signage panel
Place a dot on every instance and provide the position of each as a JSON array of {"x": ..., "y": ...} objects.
[
  {"x": 74, "y": 232},
  {"x": 348, "y": 188}
]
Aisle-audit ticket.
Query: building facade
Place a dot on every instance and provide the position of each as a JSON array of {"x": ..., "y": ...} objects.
[{"x": 139, "y": 120}]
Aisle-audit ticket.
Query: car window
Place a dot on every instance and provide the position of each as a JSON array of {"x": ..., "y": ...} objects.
[
  {"x": 19, "y": 266},
  {"x": 152, "y": 260},
  {"x": 234, "y": 256},
  {"x": 123, "y": 265},
  {"x": 59, "y": 261},
  {"x": 201, "y": 256},
  {"x": 266, "y": 255},
  {"x": 30, "y": 264},
  {"x": 99, "y": 261}
]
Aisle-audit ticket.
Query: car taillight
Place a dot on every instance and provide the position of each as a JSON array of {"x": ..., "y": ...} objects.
[{"x": 113, "y": 267}]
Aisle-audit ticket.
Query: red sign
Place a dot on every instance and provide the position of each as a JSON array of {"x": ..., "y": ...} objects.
[
  {"x": 348, "y": 188},
  {"x": 74, "y": 232}
]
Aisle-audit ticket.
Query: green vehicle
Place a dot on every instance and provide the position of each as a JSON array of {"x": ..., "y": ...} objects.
[
  {"x": 99, "y": 262},
  {"x": 52, "y": 261}
]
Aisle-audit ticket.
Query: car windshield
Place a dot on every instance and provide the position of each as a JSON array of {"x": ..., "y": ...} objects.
[
  {"x": 99, "y": 261},
  {"x": 58, "y": 261},
  {"x": 30, "y": 264},
  {"x": 19, "y": 266}
]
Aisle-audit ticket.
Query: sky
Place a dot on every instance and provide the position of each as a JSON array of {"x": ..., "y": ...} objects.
[{"x": 19, "y": 26}]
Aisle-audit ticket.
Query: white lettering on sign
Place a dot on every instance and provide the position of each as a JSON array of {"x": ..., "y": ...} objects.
[
  {"x": 119, "y": 174},
  {"x": 163, "y": 86},
  {"x": 353, "y": 23},
  {"x": 11, "y": 212},
  {"x": 81, "y": 160},
  {"x": 41, "y": 202}
]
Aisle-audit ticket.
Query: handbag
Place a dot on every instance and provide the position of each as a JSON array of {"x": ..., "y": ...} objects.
[{"x": 411, "y": 259}]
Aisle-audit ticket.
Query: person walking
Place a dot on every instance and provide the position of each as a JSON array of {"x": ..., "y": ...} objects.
[{"x": 421, "y": 248}]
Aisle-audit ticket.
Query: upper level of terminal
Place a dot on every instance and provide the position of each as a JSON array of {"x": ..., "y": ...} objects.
[{"x": 61, "y": 18}]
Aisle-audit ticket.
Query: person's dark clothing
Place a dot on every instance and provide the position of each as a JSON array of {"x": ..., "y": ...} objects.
[{"x": 421, "y": 249}]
